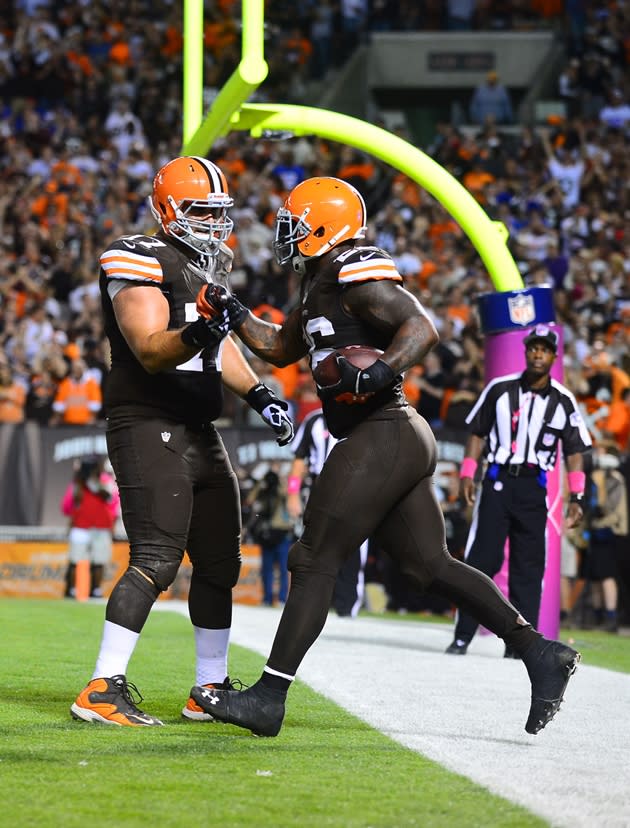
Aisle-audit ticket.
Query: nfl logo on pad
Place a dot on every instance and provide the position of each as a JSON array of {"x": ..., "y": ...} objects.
[{"x": 521, "y": 309}]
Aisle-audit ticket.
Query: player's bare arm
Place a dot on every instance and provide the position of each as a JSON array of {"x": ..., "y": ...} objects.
[
  {"x": 237, "y": 373},
  {"x": 142, "y": 313},
  {"x": 393, "y": 309},
  {"x": 278, "y": 344}
]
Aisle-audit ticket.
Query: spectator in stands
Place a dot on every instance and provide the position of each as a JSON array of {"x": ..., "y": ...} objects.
[
  {"x": 78, "y": 398},
  {"x": 123, "y": 128},
  {"x": 607, "y": 522},
  {"x": 566, "y": 166},
  {"x": 321, "y": 33},
  {"x": 432, "y": 385},
  {"x": 616, "y": 426},
  {"x": 460, "y": 15},
  {"x": 37, "y": 331},
  {"x": 41, "y": 396},
  {"x": 616, "y": 114},
  {"x": 12, "y": 396},
  {"x": 491, "y": 102},
  {"x": 569, "y": 88}
]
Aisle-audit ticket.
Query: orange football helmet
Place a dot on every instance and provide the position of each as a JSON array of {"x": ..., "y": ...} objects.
[
  {"x": 190, "y": 201},
  {"x": 318, "y": 214}
]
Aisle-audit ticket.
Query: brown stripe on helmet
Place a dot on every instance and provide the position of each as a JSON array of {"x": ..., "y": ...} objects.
[{"x": 218, "y": 181}]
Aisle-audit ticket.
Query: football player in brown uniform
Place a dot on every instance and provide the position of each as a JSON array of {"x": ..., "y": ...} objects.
[
  {"x": 178, "y": 490},
  {"x": 376, "y": 481}
]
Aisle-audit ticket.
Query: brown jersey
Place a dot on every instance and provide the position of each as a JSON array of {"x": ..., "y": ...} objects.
[
  {"x": 327, "y": 326},
  {"x": 191, "y": 392}
]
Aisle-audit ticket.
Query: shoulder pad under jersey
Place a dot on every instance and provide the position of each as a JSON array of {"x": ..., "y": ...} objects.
[
  {"x": 134, "y": 259},
  {"x": 366, "y": 264}
]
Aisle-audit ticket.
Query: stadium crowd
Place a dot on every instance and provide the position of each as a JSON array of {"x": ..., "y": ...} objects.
[{"x": 90, "y": 107}]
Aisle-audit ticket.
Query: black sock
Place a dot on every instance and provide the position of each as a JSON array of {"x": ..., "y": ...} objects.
[
  {"x": 277, "y": 683},
  {"x": 522, "y": 638}
]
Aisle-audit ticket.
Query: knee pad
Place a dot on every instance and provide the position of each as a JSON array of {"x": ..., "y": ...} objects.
[
  {"x": 425, "y": 573},
  {"x": 131, "y": 600},
  {"x": 223, "y": 574},
  {"x": 159, "y": 563},
  {"x": 301, "y": 558}
]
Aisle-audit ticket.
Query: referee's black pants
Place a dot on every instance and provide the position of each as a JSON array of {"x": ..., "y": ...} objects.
[{"x": 514, "y": 509}]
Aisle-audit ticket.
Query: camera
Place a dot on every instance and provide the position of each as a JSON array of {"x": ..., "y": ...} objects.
[{"x": 87, "y": 468}]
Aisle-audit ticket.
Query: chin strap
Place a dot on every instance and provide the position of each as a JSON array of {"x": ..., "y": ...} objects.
[{"x": 299, "y": 265}]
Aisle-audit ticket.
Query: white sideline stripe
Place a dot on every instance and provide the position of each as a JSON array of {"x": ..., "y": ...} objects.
[{"x": 468, "y": 713}]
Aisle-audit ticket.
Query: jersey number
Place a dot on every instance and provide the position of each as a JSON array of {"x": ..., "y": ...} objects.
[
  {"x": 319, "y": 325},
  {"x": 194, "y": 363},
  {"x": 132, "y": 241}
]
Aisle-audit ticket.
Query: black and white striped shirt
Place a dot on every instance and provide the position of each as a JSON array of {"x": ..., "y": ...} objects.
[
  {"x": 525, "y": 426},
  {"x": 313, "y": 442}
]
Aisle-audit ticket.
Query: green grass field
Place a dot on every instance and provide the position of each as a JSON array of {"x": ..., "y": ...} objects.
[{"x": 327, "y": 768}]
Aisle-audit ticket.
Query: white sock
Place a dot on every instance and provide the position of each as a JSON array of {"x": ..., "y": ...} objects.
[
  {"x": 211, "y": 647},
  {"x": 117, "y": 646}
]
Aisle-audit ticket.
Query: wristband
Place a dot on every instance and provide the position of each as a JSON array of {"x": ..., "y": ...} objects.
[
  {"x": 259, "y": 396},
  {"x": 237, "y": 311},
  {"x": 294, "y": 484},
  {"x": 577, "y": 482},
  {"x": 469, "y": 467},
  {"x": 576, "y": 497},
  {"x": 378, "y": 375},
  {"x": 197, "y": 335}
]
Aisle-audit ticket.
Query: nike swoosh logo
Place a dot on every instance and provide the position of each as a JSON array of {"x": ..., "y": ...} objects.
[
  {"x": 130, "y": 245},
  {"x": 144, "y": 719},
  {"x": 364, "y": 256}
]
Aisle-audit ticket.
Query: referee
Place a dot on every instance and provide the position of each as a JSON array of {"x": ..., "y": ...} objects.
[
  {"x": 522, "y": 418},
  {"x": 311, "y": 446}
]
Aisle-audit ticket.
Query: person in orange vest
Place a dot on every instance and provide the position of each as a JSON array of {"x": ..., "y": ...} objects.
[
  {"x": 92, "y": 503},
  {"x": 12, "y": 396},
  {"x": 617, "y": 423},
  {"x": 78, "y": 399}
]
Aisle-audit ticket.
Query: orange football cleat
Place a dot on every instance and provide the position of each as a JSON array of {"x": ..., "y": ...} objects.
[{"x": 109, "y": 701}]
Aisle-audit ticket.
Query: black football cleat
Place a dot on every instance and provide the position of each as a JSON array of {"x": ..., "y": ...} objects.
[
  {"x": 457, "y": 647},
  {"x": 550, "y": 667},
  {"x": 259, "y": 708},
  {"x": 194, "y": 713}
]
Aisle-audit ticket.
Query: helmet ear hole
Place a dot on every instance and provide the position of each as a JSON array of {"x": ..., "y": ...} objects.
[{"x": 319, "y": 232}]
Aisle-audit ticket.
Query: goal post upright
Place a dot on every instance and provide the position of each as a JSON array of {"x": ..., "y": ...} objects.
[{"x": 199, "y": 133}]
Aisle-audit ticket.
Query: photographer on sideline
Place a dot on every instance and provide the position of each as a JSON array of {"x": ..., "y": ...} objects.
[{"x": 92, "y": 503}]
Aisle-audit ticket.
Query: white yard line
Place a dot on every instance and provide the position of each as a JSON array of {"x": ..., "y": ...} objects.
[{"x": 468, "y": 713}]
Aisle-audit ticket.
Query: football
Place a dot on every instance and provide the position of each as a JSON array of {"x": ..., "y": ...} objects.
[{"x": 361, "y": 356}]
